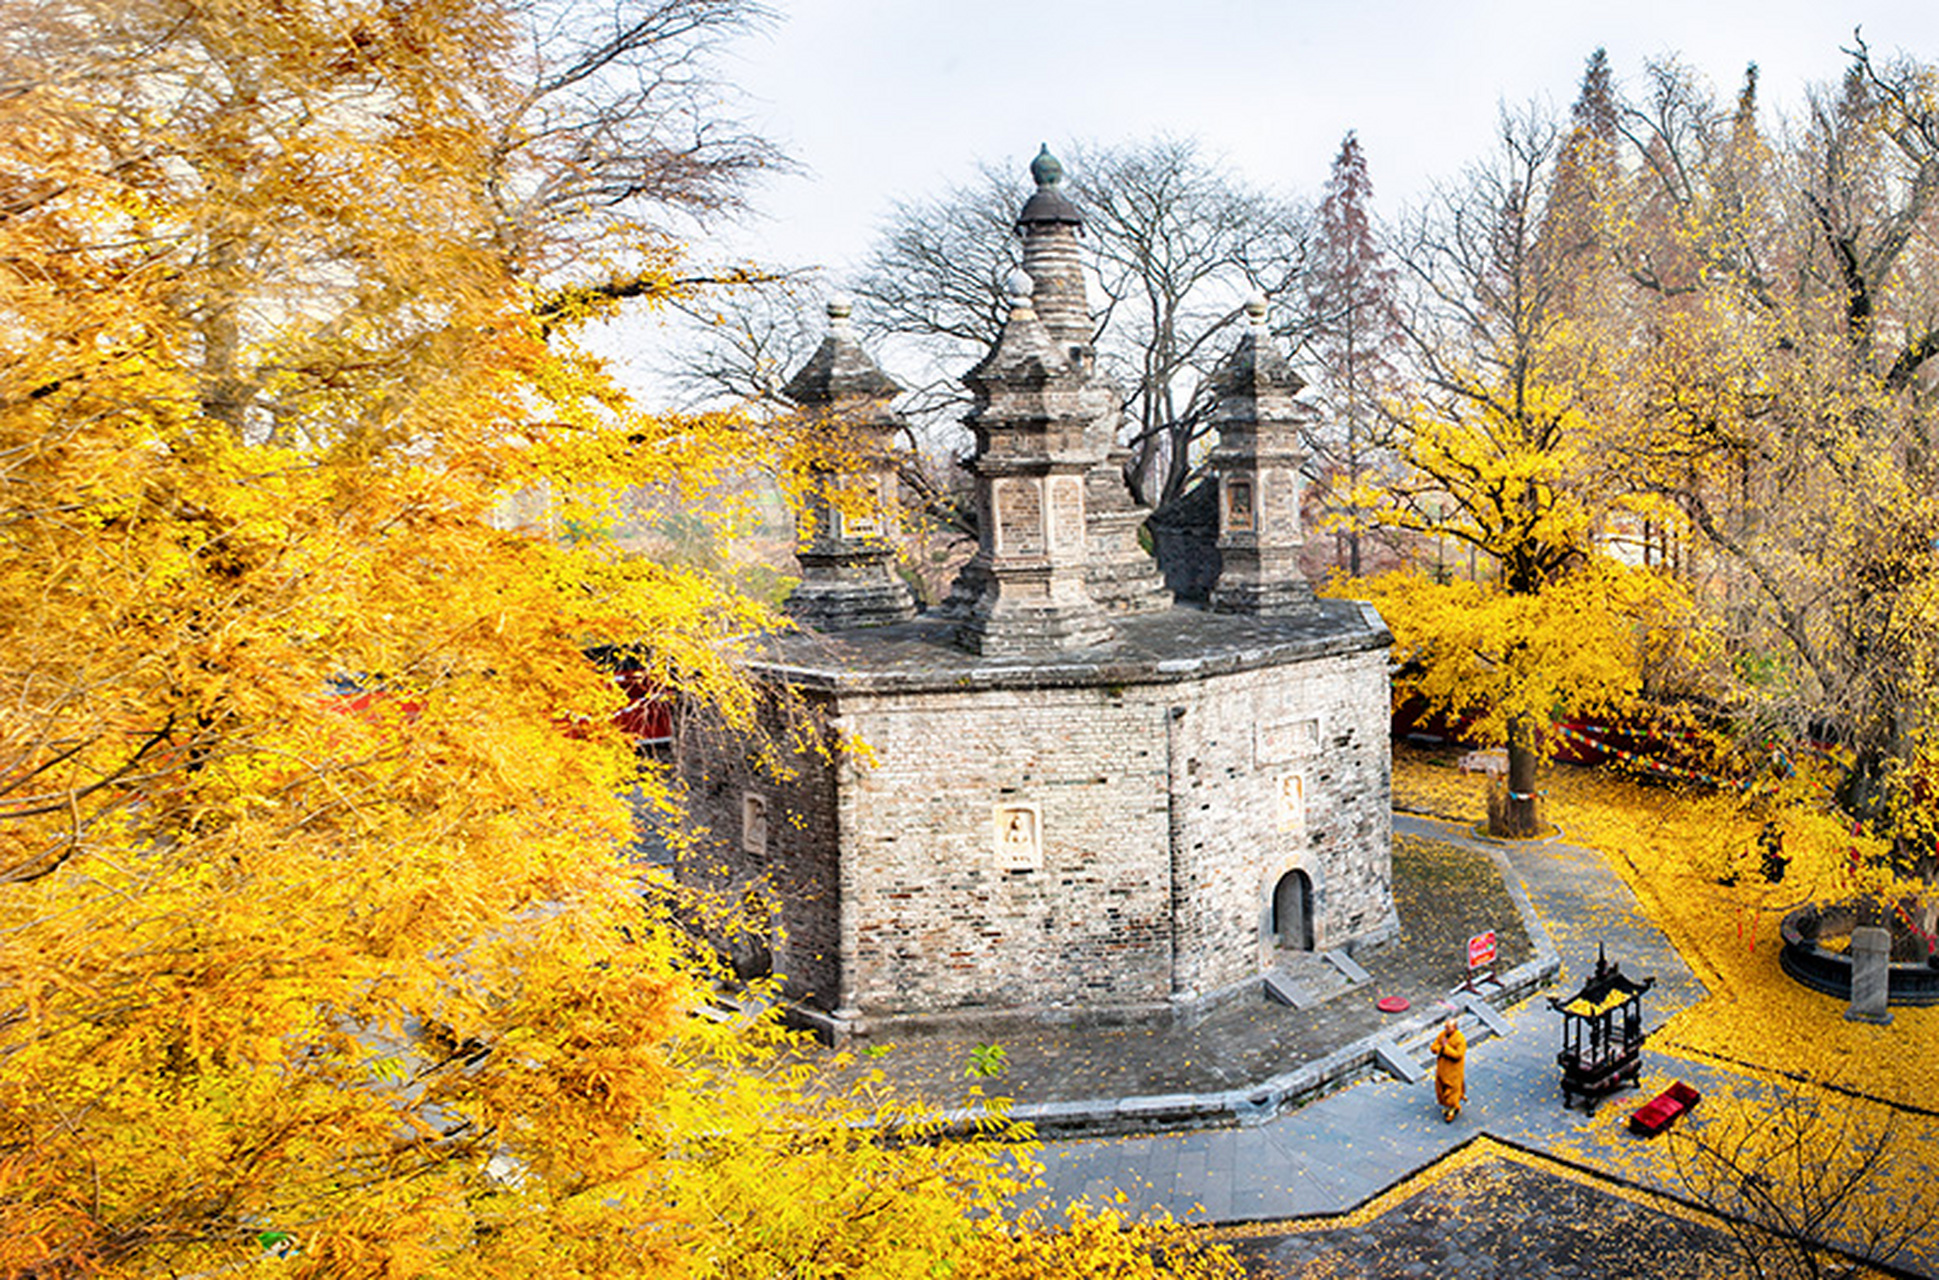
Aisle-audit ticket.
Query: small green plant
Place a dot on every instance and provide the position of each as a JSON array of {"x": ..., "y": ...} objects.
[
  {"x": 987, "y": 1060},
  {"x": 877, "y": 1050}
]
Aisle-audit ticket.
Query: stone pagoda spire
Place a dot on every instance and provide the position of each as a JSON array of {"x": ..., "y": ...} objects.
[
  {"x": 1257, "y": 466},
  {"x": 847, "y": 557},
  {"x": 1023, "y": 591},
  {"x": 1050, "y": 224},
  {"x": 1121, "y": 576}
]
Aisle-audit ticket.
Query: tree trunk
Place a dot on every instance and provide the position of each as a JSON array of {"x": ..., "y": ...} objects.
[
  {"x": 1861, "y": 793},
  {"x": 1883, "y": 748},
  {"x": 1516, "y": 816},
  {"x": 222, "y": 398}
]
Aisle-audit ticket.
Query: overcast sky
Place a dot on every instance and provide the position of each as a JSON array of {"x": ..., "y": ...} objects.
[
  {"x": 880, "y": 98},
  {"x": 877, "y": 99}
]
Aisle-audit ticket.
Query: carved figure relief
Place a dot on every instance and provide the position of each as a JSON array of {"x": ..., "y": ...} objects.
[
  {"x": 1292, "y": 802},
  {"x": 1238, "y": 505},
  {"x": 754, "y": 824},
  {"x": 1019, "y": 837}
]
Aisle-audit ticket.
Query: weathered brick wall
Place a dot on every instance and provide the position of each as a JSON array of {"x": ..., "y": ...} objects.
[
  {"x": 1165, "y": 814},
  {"x": 800, "y": 868},
  {"x": 1280, "y": 769},
  {"x": 940, "y": 921}
]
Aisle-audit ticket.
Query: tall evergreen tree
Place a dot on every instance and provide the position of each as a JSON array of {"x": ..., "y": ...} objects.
[
  {"x": 1575, "y": 221},
  {"x": 1350, "y": 296}
]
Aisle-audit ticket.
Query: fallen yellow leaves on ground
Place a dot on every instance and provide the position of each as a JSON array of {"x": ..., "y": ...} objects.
[{"x": 1674, "y": 848}]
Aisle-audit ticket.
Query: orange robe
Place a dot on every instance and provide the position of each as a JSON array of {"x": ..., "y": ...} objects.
[{"x": 1450, "y": 1068}]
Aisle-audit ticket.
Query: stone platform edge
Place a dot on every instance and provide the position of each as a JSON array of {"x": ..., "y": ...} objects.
[
  {"x": 1288, "y": 1090},
  {"x": 1254, "y": 1104}
]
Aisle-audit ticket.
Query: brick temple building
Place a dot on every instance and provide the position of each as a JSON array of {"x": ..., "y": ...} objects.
[{"x": 1079, "y": 797}]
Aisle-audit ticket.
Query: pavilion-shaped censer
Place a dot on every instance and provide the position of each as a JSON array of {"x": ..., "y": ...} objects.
[{"x": 1602, "y": 1034}]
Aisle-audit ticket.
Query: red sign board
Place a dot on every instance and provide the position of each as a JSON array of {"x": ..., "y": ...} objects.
[{"x": 1481, "y": 949}]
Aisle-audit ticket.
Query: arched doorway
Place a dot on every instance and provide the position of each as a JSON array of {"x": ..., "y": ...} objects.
[{"x": 1292, "y": 911}]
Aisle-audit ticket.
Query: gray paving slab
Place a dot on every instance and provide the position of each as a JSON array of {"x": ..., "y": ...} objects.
[
  {"x": 1265, "y": 1203},
  {"x": 1486, "y": 1013},
  {"x": 1398, "y": 1062},
  {"x": 1336, "y": 1152},
  {"x": 1288, "y": 991},
  {"x": 1195, "y": 1157},
  {"x": 1347, "y": 965}
]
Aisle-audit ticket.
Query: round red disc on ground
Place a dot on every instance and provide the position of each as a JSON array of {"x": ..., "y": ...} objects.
[{"x": 1393, "y": 1004}]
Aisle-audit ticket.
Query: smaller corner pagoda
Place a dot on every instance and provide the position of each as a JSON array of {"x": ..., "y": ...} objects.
[
  {"x": 1257, "y": 465},
  {"x": 847, "y": 550}
]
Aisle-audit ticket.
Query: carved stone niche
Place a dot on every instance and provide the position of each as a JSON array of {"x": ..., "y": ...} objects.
[{"x": 1018, "y": 836}]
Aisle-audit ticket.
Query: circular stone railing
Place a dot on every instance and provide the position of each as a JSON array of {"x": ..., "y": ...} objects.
[{"x": 1908, "y": 983}]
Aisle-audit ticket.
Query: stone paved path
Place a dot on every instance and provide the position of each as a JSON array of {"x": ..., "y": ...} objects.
[
  {"x": 1499, "y": 1215},
  {"x": 1332, "y": 1154}
]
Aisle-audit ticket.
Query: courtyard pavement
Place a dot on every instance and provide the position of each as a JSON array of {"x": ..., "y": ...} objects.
[
  {"x": 1336, "y": 1130},
  {"x": 1331, "y": 1154}
]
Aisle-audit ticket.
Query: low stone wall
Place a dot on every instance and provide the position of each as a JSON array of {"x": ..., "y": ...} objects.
[
  {"x": 1830, "y": 971},
  {"x": 1255, "y": 1104}
]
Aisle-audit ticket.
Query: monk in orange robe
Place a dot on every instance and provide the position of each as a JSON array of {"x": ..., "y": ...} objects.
[{"x": 1450, "y": 1070}]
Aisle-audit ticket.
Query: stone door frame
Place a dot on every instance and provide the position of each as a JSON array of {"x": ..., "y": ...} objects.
[{"x": 1268, "y": 902}]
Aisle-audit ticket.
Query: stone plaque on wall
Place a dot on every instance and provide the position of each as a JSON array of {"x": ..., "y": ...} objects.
[
  {"x": 1292, "y": 802},
  {"x": 1019, "y": 516},
  {"x": 754, "y": 824},
  {"x": 1067, "y": 512},
  {"x": 1286, "y": 739},
  {"x": 1019, "y": 837},
  {"x": 1238, "y": 505}
]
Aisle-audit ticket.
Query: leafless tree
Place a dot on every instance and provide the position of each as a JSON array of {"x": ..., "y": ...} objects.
[
  {"x": 937, "y": 271},
  {"x": 932, "y": 290},
  {"x": 1180, "y": 245},
  {"x": 737, "y": 347},
  {"x": 1175, "y": 245},
  {"x": 740, "y": 345},
  {"x": 1809, "y": 1184},
  {"x": 623, "y": 116}
]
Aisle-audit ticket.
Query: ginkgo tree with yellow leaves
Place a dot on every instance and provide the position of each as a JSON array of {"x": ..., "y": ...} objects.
[
  {"x": 320, "y": 941},
  {"x": 1785, "y": 405},
  {"x": 313, "y": 920},
  {"x": 1503, "y": 446}
]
